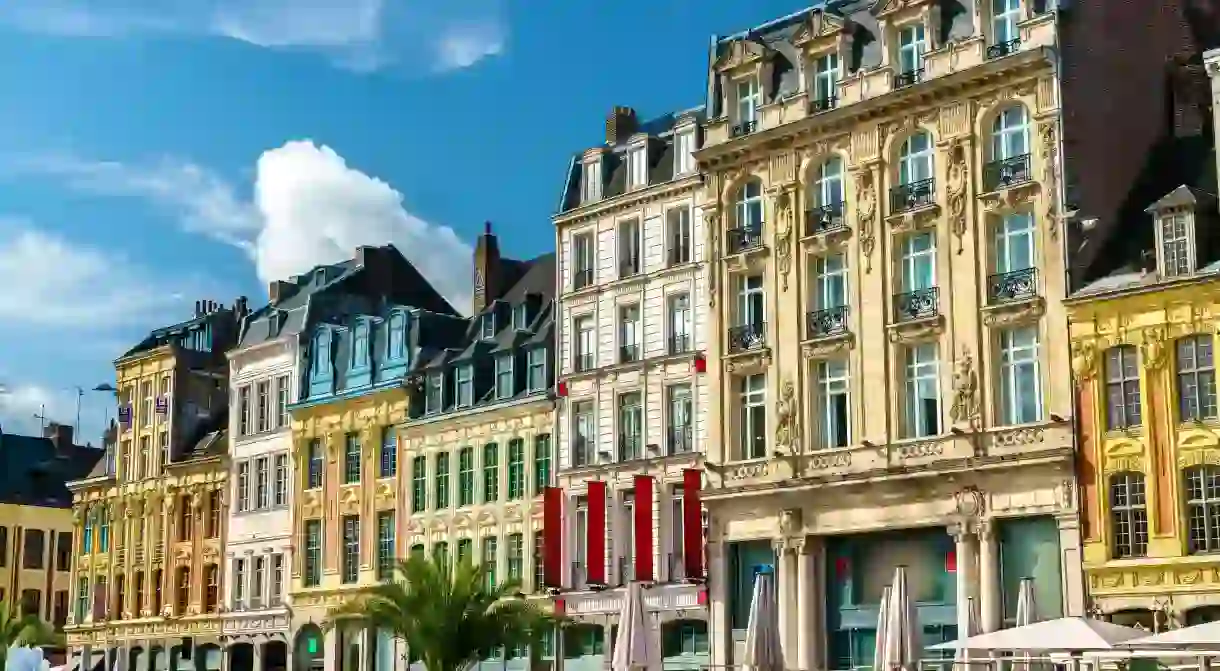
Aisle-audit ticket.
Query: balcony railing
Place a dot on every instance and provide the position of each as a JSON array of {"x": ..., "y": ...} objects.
[
  {"x": 626, "y": 570},
  {"x": 628, "y": 353},
  {"x": 744, "y": 239},
  {"x": 827, "y": 322},
  {"x": 912, "y": 195},
  {"x": 747, "y": 337},
  {"x": 582, "y": 362},
  {"x": 908, "y": 78},
  {"x": 681, "y": 439},
  {"x": 630, "y": 446},
  {"x": 679, "y": 252},
  {"x": 825, "y": 218},
  {"x": 1013, "y": 286},
  {"x": 679, "y": 344},
  {"x": 629, "y": 267},
  {"x": 917, "y": 304},
  {"x": 1006, "y": 172},
  {"x": 1002, "y": 49},
  {"x": 581, "y": 451},
  {"x": 744, "y": 128},
  {"x": 823, "y": 104},
  {"x": 582, "y": 278}
]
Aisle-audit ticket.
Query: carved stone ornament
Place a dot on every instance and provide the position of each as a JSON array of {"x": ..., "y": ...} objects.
[
  {"x": 1152, "y": 349},
  {"x": 965, "y": 390},
  {"x": 958, "y": 173},
  {"x": 787, "y": 431},
  {"x": 866, "y": 213},
  {"x": 78, "y": 514},
  {"x": 711, "y": 222},
  {"x": 969, "y": 503},
  {"x": 783, "y": 234},
  {"x": 1046, "y": 152},
  {"x": 791, "y": 522},
  {"x": 1084, "y": 359}
]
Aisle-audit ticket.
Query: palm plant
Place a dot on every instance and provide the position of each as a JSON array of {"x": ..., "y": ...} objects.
[
  {"x": 22, "y": 631},
  {"x": 448, "y": 618}
]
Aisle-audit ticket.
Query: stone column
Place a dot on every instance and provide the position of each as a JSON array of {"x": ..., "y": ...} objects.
[
  {"x": 718, "y": 610},
  {"x": 86, "y": 658},
  {"x": 330, "y": 650},
  {"x": 225, "y": 652},
  {"x": 785, "y": 584},
  {"x": 258, "y": 654},
  {"x": 806, "y": 585},
  {"x": 989, "y": 578},
  {"x": 964, "y": 549},
  {"x": 1069, "y": 551}
]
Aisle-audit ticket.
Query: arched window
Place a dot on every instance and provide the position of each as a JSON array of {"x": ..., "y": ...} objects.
[
  {"x": 828, "y": 183},
  {"x": 1009, "y": 149},
  {"x": 915, "y": 159},
  {"x": 1128, "y": 515},
  {"x": 1202, "y": 484}
]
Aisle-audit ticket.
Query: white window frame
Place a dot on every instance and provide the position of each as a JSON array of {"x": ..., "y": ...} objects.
[
  {"x": 1015, "y": 237},
  {"x": 629, "y": 331},
  {"x": 679, "y": 413},
  {"x": 1005, "y": 14},
  {"x": 684, "y": 151},
  {"x": 637, "y": 163},
  {"x": 752, "y": 395},
  {"x": 679, "y": 235},
  {"x": 1176, "y": 254},
  {"x": 921, "y": 371},
  {"x": 1010, "y": 133},
  {"x": 833, "y": 382},
  {"x": 918, "y": 264},
  {"x": 1019, "y": 357},
  {"x": 830, "y": 281},
  {"x": 630, "y": 246},
  {"x": 826, "y": 76},
  {"x": 749, "y": 99},
  {"x": 584, "y": 426},
  {"x": 582, "y": 256},
  {"x": 749, "y": 206},
  {"x": 628, "y": 521},
  {"x": 631, "y": 422},
  {"x": 591, "y": 181},
  {"x": 916, "y": 158},
  {"x": 912, "y": 45},
  {"x": 751, "y": 301},
  {"x": 585, "y": 342},
  {"x": 463, "y": 385},
  {"x": 504, "y": 369},
  {"x": 535, "y": 360},
  {"x": 828, "y": 182},
  {"x": 680, "y": 322}
]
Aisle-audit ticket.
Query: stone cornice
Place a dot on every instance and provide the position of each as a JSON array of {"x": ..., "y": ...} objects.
[{"x": 627, "y": 201}]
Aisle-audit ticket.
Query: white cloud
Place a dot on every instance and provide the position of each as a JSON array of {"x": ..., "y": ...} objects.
[
  {"x": 64, "y": 284},
  {"x": 357, "y": 34},
  {"x": 23, "y": 407},
  {"x": 308, "y": 208}
]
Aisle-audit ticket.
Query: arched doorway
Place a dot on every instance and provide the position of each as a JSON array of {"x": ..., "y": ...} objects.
[
  {"x": 309, "y": 650},
  {"x": 241, "y": 657},
  {"x": 275, "y": 656}
]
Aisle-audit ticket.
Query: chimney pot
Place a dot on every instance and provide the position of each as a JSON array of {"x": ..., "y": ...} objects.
[
  {"x": 620, "y": 125},
  {"x": 486, "y": 228}
]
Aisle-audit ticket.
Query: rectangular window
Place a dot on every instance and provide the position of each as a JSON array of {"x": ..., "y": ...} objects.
[
  {"x": 465, "y": 550},
  {"x": 539, "y": 564},
  {"x": 535, "y": 364},
  {"x": 678, "y": 235},
  {"x": 145, "y": 465},
  {"x": 163, "y": 440},
  {"x": 680, "y": 340},
  {"x": 1122, "y": 387},
  {"x": 1014, "y": 243},
  {"x": 316, "y": 466},
  {"x": 442, "y": 481},
  {"x": 912, "y": 44},
  {"x": 239, "y": 584},
  {"x": 385, "y": 545},
  {"x": 281, "y": 401},
  {"x": 262, "y": 481},
  {"x": 1196, "y": 378},
  {"x": 487, "y": 324},
  {"x": 243, "y": 404},
  {"x": 491, "y": 551},
  {"x": 434, "y": 395},
  {"x": 580, "y": 526},
  {"x": 629, "y": 260},
  {"x": 542, "y": 462},
  {"x": 922, "y": 388},
  {"x": 360, "y": 345},
  {"x": 465, "y": 476},
  {"x": 748, "y": 100},
  {"x": 582, "y": 433},
  {"x": 626, "y": 521},
  {"x": 419, "y": 484},
  {"x": 262, "y": 393},
  {"x": 146, "y": 409},
  {"x": 281, "y": 480},
  {"x": 629, "y": 333},
  {"x": 211, "y": 527},
  {"x": 351, "y": 459},
  {"x": 684, "y": 152},
  {"x": 753, "y": 399},
  {"x": 463, "y": 382},
  {"x": 34, "y": 549},
  {"x": 277, "y": 580},
  {"x": 582, "y": 260},
  {"x": 630, "y": 426},
  {"x": 211, "y": 590},
  {"x": 826, "y": 79},
  {"x": 1175, "y": 245},
  {"x": 350, "y": 571},
  {"x": 591, "y": 183},
  {"x": 679, "y": 418},
  {"x": 257, "y": 577},
  {"x": 516, "y": 469},
  {"x": 521, "y": 317},
  {"x": 63, "y": 551},
  {"x": 82, "y": 598},
  {"x": 752, "y": 304},
  {"x": 833, "y": 403},
  {"x": 918, "y": 262},
  {"x": 1020, "y": 385},
  {"x": 830, "y": 282},
  {"x": 516, "y": 556},
  {"x": 637, "y": 160},
  {"x": 1004, "y": 17},
  {"x": 491, "y": 472},
  {"x": 504, "y": 377},
  {"x": 243, "y": 486},
  {"x": 313, "y": 553},
  {"x": 387, "y": 459},
  {"x": 585, "y": 345},
  {"x": 677, "y": 567}
]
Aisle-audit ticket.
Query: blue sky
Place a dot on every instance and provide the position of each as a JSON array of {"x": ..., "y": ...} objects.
[{"x": 155, "y": 152}]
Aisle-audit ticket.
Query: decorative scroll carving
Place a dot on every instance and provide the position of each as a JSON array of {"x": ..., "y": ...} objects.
[
  {"x": 965, "y": 390},
  {"x": 1084, "y": 359},
  {"x": 1152, "y": 349},
  {"x": 1046, "y": 152},
  {"x": 958, "y": 171},
  {"x": 711, "y": 222},
  {"x": 787, "y": 432},
  {"x": 783, "y": 234},
  {"x": 969, "y": 503},
  {"x": 866, "y": 212}
]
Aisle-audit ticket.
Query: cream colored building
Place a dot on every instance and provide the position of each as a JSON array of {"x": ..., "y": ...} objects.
[
  {"x": 882, "y": 207},
  {"x": 631, "y": 344}
]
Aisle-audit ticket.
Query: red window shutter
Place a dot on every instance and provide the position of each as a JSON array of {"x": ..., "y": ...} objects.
[
  {"x": 595, "y": 544},
  {"x": 951, "y": 561},
  {"x": 552, "y": 536},
  {"x": 643, "y": 527},
  {"x": 692, "y": 523}
]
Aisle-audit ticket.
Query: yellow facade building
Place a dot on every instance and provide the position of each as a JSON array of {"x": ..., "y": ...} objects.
[
  {"x": 1142, "y": 344},
  {"x": 149, "y": 524}
]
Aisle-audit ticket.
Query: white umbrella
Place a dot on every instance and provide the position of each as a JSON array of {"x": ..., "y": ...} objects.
[
  {"x": 1205, "y": 635},
  {"x": 883, "y": 616},
  {"x": 972, "y": 629},
  {"x": 631, "y": 648},
  {"x": 1065, "y": 634},
  {"x": 902, "y": 631},
  {"x": 763, "y": 651},
  {"x": 1027, "y": 608}
]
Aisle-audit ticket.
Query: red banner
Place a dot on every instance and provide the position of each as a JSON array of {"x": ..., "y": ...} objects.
[
  {"x": 692, "y": 523},
  {"x": 595, "y": 542},
  {"x": 643, "y": 527},
  {"x": 552, "y": 537}
]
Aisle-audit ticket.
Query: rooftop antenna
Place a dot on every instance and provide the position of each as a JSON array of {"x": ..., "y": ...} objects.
[{"x": 41, "y": 416}]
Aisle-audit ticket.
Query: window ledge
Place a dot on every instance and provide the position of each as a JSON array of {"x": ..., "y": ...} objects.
[
  {"x": 1009, "y": 197},
  {"x": 1009, "y": 313}
]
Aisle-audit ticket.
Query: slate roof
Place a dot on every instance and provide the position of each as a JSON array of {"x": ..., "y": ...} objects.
[{"x": 32, "y": 473}]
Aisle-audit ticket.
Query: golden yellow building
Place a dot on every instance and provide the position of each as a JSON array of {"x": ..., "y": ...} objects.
[
  {"x": 36, "y": 519},
  {"x": 150, "y": 523},
  {"x": 1142, "y": 344}
]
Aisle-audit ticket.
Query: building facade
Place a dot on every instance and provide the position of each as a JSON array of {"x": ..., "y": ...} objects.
[
  {"x": 631, "y": 339},
  {"x": 365, "y": 323},
  {"x": 887, "y": 268},
  {"x": 149, "y": 526},
  {"x": 36, "y": 509},
  {"x": 477, "y": 449}
]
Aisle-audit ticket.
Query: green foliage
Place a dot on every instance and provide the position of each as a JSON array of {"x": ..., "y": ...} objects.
[
  {"x": 22, "y": 631},
  {"x": 450, "y": 618}
]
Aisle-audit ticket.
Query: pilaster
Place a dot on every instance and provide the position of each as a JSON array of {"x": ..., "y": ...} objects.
[
  {"x": 989, "y": 578},
  {"x": 718, "y": 623}
]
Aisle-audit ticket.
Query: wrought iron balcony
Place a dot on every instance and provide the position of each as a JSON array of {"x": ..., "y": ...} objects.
[
  {"x": 747, "y": 337},
  {"x": 679, "y": 344},
  {"x": 628, "y": 353},
  {"x": 823, "y": 104},
  {"x": 680, "y": 439},
  {"x": 744, "y": 239},
  {"x": 1002, "y": 49},
  {"x": 1006, "y": 172},
  {"x": 744, "y": 128},
  {"x": 912, "y": 195},
  {"x": 825, "y": 219},
  {"x": 630, "y": 446},
  {"x": 908, "y": 78},
  {"x": 626, "y": 570},
  {"x": 1013, "y": 286},
  {"x": 917, "y": 304},
  {"x": 582, "y": 362},
  {"x": 827, "y": 322},
  {"x": 582, "y": 278}
]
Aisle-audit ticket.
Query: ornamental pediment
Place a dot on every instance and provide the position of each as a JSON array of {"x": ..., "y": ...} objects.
[
  {"x": 461, "y": 521},
  {"x": 740, "y": 53},
  {"x": 819, "y": 25},
  {"x": 883, "y": 8}
]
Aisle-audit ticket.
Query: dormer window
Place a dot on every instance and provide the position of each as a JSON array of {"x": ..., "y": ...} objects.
[
  {"x": 825, "y": 81},
  {"x": 434, "y": 392},
  {"x": 487, "y": 325},
  {"x": 360, "y": 345},
  {"x": 397, "y": 337},
  {"x": 319, "y": 277},
  {"x": 591, "y": 183},
  {"x": 684, "y": 151},
  {"x": 749, "y": 99},
  {"x": 1005, "y": 38},
  {"x": 637, "y": 167},
  {"x": 912, "y": 45},
  {"x": 1176, "y": 250},
  {"x": 321, "y": 352},
  {"x": 463, "y": 383},
  {"x": 520, "y": 317}
]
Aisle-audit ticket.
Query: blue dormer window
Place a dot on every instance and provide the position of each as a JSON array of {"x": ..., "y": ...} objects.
[
  {"x": 433, "y": 393},
  {"x": 488, "y": 325},
  {"x": 360, "y": 344},
  {"x": 321, "y": 352},
  {"x": 397, "y": 337},
  {"x": 520, "y": 316},
  {"x": 463, "y": 383}
]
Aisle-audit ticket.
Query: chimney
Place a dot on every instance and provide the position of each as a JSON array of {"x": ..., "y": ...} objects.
[
  {"x": 60, "y": 435},
  {"x": 486, "y": 270},
  {"x": 620, "y": 125},
  {"x": 198, "y": 308}
]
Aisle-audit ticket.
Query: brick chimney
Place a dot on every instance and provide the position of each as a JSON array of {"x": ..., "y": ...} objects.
[
  {"x": 276, "y": 290},
  {"x": 486, "y": 270},
  {"x": 620, "y": 125},
  {"x": 60, "y": 435}
]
